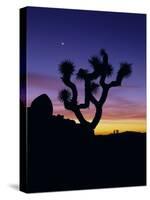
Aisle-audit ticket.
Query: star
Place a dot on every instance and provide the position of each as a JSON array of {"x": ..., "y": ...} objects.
[{"x": 62, "y": 43}]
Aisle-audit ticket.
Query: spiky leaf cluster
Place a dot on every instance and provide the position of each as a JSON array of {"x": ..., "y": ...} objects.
[
  {"x": 66, "y": 68},
  {"x": 108, "y": 70},
  {"x": 100, "y": 68},
  {"x": 95, "y": 62},
  {"x": 64, "y": 95},
  {"x": 102, "y": 52},
  {"x": 82, "y": 74},
  {"x": 124, "y": 71}
]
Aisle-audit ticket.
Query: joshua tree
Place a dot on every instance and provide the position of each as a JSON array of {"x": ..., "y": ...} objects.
[{"x": 101, "y": 70}]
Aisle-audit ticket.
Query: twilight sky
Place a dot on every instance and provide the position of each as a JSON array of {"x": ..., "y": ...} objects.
[{"x": 54, "y": 35}]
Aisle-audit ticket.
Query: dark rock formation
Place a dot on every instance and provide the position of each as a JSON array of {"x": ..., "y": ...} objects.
[{"x": 42, "y": 106}]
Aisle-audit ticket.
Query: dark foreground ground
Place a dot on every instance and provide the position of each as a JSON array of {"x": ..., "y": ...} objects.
[
  {"x": 62, "y": 155},
  {"x": 62, "y": 159}
]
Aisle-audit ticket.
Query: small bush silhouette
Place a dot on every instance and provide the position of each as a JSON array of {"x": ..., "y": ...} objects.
[{"x": 101, "y": 70}]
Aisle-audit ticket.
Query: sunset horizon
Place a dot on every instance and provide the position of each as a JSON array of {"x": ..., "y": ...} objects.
[{"x": 107, "y": 124}]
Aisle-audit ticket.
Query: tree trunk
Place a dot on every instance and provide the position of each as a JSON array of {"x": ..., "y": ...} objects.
[
  {"x": 97, "y": 118},
  {"x": 80, "y": 117}
]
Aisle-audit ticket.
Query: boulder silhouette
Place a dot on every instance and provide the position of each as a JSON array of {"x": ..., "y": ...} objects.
[{"x": 42, "y": 106}]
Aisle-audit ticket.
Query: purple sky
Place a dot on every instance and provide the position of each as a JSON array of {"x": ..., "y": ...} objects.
[{"x": 84, "y": 33}]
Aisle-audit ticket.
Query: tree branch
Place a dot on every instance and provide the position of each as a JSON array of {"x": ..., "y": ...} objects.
[
  {"x": 96, "y": 118},
  {"x": 114, "y": 84},
  {"x": 102, "y": 81},
  {"x": 86, "y": 96},
  {"x": 103, "y": 96},
  {"x": 73, "y": 88}
]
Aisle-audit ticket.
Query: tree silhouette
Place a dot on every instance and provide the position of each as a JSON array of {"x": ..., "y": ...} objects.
[{"x": 101, "y": 70}]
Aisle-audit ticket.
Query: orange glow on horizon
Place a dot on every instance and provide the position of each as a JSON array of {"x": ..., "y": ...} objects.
[
  {"x": 111, "y": 121},
  {"x": 106, "y": 127}
]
